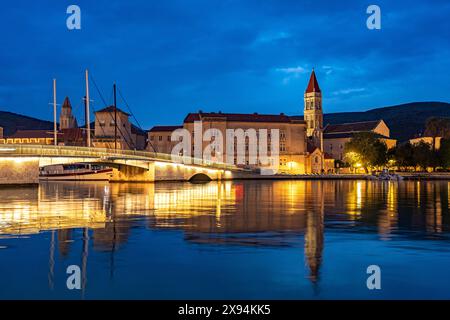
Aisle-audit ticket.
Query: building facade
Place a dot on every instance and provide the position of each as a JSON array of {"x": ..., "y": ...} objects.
[
  {"x": 312, "y": 112},
  {"x": 66, "y": 117},
  {"x": 337, "y": 135},
  {"x": 300, "y": 138}
]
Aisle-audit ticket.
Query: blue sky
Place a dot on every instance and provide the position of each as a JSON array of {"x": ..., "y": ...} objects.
[{"x": 174, "y": 57}]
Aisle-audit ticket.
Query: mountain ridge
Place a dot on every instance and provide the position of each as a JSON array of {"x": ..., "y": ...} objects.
[{"x": 404, "y": 120}]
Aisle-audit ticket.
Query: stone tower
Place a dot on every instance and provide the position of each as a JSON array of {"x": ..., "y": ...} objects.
[
  {"x": 66, "y": 119},
  {"x": 313, "y": 113}
]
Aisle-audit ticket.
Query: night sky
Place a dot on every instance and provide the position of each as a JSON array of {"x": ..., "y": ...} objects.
[{"x": 173, "y": 57}]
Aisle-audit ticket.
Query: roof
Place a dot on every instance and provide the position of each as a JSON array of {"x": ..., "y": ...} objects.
[
  {"x": 73, "y": 134},
  {"x": 364, "y": 126},
  {"x": 66, "y": 103},
  {"x": 111, "y": 110},
  {"x": 32, "y": 134},
  {"x": 238, "y": 117},
  {"x": 313, "y": 85},
  {"x": 164, "y": 128},
  {"x": 350, "y": 135}
]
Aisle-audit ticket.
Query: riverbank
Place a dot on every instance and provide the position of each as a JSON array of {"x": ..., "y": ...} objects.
[{"x": 405, "y": 175}]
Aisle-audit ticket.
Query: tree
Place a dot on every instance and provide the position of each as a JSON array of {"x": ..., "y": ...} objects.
[
  {"x": 366, "y": 150},
  {"x": 444, "y": 153},
  {"x": 403, "y": 155},
  {"x": 437, "y": 127},
  {"x": 423, "y": 156}
]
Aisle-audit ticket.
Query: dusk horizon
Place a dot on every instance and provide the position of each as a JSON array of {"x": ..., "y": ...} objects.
[{"x": 243, "y": 57}]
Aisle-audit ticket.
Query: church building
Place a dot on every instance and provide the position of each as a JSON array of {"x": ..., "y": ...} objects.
[{"x": 300, "y": 138}]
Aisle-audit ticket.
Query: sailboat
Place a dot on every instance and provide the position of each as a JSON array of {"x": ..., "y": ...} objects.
[{"x": 75, "y": 171}]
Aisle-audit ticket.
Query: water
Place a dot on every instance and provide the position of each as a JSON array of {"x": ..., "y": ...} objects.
[{"x": 232, "y": 240}]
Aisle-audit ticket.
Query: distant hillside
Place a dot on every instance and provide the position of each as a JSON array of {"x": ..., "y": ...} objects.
[
  {"x": 11, "y": 122},
  {"x": 405, "y": 120}
]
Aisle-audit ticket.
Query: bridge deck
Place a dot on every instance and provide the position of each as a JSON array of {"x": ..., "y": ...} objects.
[{"x": 24, "y": 150}]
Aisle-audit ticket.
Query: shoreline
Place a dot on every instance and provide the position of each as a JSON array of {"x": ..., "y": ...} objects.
[{"x": 406, "y": 177}]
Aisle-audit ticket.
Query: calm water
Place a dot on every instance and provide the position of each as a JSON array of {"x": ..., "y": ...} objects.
[{"x": 240, "y": 240}]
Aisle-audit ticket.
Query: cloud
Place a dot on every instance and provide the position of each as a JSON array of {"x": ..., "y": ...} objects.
[
  {"x": 348, "y": 91},
  {"x": 291, "y": 73}
]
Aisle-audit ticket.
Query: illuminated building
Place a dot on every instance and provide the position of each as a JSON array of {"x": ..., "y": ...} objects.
[{"x": 300, "y": 147}]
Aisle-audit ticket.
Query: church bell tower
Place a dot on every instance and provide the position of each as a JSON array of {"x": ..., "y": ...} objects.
[
  {"x": 66, "y": 119},
  {"x": 313, "y": 114}
]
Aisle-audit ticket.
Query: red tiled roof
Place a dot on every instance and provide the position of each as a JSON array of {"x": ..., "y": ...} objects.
[
  {"x": 238, "y": 117},
  {"x": 313, "y": 85},
  {"x": 110, "y": 109},
  {"x": 73, "y": 134},
  {"x": 351, "y": 127},
  {"x": 32, "y": 134},
  {"x": 66, "y": 103},
  {"x": 164, "y": 128}
]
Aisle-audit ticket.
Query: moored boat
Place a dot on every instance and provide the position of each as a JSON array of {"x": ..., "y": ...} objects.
[{"x": 75, "y": 172}]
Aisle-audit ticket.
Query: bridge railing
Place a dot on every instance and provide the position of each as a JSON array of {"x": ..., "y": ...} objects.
[{"x": 75, "y": 151}]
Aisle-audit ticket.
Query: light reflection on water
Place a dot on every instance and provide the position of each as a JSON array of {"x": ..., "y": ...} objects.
[{"x": 265, "y": 239}]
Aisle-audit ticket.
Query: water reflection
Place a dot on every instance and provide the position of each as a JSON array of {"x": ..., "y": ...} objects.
[{"x": 254, "y": 214}]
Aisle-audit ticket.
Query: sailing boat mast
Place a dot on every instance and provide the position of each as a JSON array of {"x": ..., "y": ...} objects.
[
  {"x": 115, "y": 117},
  {"x": 87, "y": 112},
  {"x": 55, "y": 127}
]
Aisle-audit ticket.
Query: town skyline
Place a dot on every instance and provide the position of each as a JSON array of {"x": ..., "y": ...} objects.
[{"x": 257, "y": 59}]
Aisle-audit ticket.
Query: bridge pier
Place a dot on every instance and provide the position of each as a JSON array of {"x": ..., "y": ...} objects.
[{"x": 18, "y": 171}]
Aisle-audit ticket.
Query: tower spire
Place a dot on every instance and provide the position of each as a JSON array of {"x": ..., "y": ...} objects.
[
  {"x": 313, "y": 85},
  {"x": 312, "y": 111}
]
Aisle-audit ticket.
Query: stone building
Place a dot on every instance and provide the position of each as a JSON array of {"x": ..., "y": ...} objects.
[
  {"x": 128, "y": 135},
  {"x": 159, "y": 139},
  {"x": 300, "y": 138},
  {"x": 66, "y": 118},
  {"x": 43, "y": 137},
  {"x": 335, "y": 136}
]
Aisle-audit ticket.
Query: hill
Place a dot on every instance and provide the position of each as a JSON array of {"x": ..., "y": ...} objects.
[
  {"x": 404, "y": 121},
  {"x": 11, "y": 122}
]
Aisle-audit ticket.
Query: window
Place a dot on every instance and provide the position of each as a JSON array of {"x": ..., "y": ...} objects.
[
  {"x": 151, "y": 138},
  {"x": 168, "y": 138},
  {"x": 102, "y": 123},
  {"x": 160, "y": 138}
]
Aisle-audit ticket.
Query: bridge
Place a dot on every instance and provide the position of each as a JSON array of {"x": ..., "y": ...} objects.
[{"x": 19, "y": 164}]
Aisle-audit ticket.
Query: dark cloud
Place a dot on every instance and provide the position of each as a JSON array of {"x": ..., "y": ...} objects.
[{"x": 233, "y": 55}]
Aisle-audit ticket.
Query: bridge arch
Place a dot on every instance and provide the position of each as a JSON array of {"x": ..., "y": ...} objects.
[{"x": 200, "y": 177}]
